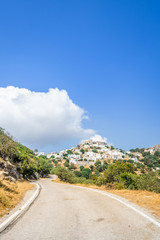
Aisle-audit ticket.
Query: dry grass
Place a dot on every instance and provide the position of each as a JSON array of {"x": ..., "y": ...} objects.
[
  {"x": 146, "y": 199},
  {"x": 11, "y": 194}
]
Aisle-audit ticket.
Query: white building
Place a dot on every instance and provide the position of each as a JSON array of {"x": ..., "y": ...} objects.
[
  {"x": 73, "y": 161},
  {"x": 40, "y": 153},
  {"x": 134, "y": 159},
  {"x": 52, "y": 154},
  {"x": 77, "y": 151},
  {"x": 74, "y": 156}
]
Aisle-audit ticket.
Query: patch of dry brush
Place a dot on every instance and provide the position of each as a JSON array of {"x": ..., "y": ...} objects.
[
  {"x": 146, "y": 199},
  {"x": 11, "y": 194}
]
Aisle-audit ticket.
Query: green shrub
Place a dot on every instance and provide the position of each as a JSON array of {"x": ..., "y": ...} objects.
[
  {"x": 65, "y": 175},
  {"x": 112, "y": 174},
  {"x": 147, "y": 182},
  {"x": 120, "y": 186},
  {"x": 126, "y": 179},
  {"x": 100, "y": 180},
  {"x": 77, "y": 173},
  {"x": 44, "y": 166},
  {"x": 86, "y": 172}
]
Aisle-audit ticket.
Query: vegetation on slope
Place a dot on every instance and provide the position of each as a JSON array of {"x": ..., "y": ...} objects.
[
  {"x": 23, "y": 159},
  {"x": 150, "y": 161},
  {"x": 119, "y": 175}
]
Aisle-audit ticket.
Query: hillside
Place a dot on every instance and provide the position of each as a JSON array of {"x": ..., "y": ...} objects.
[
  {"x": 96, "y": 163},
  {"x": 18, "y": 161},
  {"x": 90, "y": 151}
]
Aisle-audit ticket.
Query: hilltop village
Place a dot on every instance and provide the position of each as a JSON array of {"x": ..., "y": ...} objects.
[{"x": 97, "y": 149}]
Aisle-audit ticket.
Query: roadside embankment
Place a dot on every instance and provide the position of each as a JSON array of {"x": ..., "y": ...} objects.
[
  {"x": 11, "y": 193},
  {"x": 24, "y": 201},
  {"x": 146, "y": 199}
]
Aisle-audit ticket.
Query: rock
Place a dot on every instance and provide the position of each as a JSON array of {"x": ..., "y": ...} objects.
[
  {"x": 9, "y": 178},
  {"x": 9, "y": 171},
  {"x": 37, "y": 176}
]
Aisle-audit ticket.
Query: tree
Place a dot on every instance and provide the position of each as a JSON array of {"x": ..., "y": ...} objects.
[
  {"x": 112, "y": 174},
  {"x": 98, "y": 162},
  {"x": 105, "y": 165},
  {"x": 82, "y": 151},
  {"x": 77, "y": 173},
  {"x": 71, "y": 166},
  {"x": 81, "y": 168},
  {"x": 99, "y": 166},
  {"x": 147, "y": 182},
  {"x": 126, "y": 179},
  {"x": 69, "y": 152},
  {"x": 157, "y": 153},
  {"x": 86, "y": 172},
  {"x": 44, "y": 166},
  {"x": 91, "y": 167},
  {"x": 94, "y": 150},
  {"x": 36, "y": 151},
  {"x": 64, "y": 174},
  {"x": 66, "y": 164}
]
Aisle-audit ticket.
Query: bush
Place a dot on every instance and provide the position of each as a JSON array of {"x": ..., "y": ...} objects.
[
  {"x": 86, "y": 172},
  {"x": 91, "y": 167},
  {"x": 81, "y": 180},
  {"x": 100, "y": 180},
  {"x": 28, "y": 168},
  {"x": 126, "y": 179},
  {"x": 147, "y": 182},
  {"x": 120, "y": 186},
  {"x": 81, "y": 168},
  {"x": 157, "y": 153},
  {"x": 77, "y": 173},
  {"x": 66, "y": 164},
  {"x": 65, "y": 175},
  {"x": 112, "y": 174},
  {"x": 44, "y": 166}
]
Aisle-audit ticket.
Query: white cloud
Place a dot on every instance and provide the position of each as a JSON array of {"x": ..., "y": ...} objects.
[
  {"x": 98, "y": 138},
  {"x": 39, "y": 118}
]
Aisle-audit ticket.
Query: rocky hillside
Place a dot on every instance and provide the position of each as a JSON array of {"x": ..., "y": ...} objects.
[{"x": 18, "y": 161}]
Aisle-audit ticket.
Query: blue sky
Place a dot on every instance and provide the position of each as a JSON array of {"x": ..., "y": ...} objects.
[{"x": 105, "y": 54}]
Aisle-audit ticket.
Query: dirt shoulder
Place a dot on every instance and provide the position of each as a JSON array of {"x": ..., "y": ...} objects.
[
  {"x": 11, "y": 194},
  {"x": 146, "y": 199}
]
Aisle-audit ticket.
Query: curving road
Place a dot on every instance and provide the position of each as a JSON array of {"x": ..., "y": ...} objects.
[{"x": 64, "y": 212}]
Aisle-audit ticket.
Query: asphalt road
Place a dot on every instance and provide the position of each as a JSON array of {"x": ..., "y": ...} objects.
[{"x": 64, "y": 212}]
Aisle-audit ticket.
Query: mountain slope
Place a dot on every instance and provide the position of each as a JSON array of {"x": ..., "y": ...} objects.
[{"x": 18, "y": 161}]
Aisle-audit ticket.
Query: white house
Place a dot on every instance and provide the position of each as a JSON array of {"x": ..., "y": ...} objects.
[
  {"x": 74, "y": 156},
  {"x": 77, "y": 151},
  {"x": 73, "y": 161},
  {"x": 40, "y": 153}
]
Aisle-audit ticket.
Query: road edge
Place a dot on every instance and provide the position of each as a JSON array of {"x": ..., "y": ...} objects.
[
  {"x": 123, "y": 201},
  {"x": 11, "y": 219}
]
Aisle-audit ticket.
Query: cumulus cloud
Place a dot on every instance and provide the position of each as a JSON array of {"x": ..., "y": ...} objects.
[
  {"x": 41, "y": 118},
  {"x": 97, "y": 138}
]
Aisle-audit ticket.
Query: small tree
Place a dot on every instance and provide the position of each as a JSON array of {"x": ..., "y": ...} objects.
[
  {"x": 81, "y": 168},
  {"x": 91, "y": 167},
  {"x": 86, "y": 172},
  {"x": 82, "y": 151}
]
